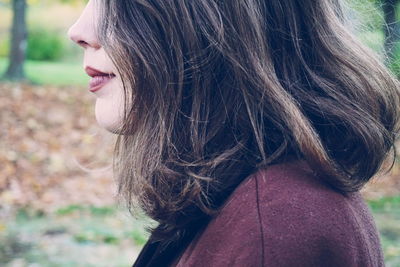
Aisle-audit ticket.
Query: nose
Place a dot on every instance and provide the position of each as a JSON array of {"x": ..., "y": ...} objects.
[
  {"x": 83, "y": 31},
  {"x": 77, "y": 37}
]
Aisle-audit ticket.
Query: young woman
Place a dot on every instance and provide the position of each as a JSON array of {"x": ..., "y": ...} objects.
[{"x": 245, "y": 127}]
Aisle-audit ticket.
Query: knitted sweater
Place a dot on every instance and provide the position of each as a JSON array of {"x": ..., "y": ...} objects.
[{"x": 285, "y": 216}]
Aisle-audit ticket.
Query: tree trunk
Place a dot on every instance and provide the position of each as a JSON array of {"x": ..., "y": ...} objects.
[
  {"x": 19, "y": 34},
  {"x": 391, "y": 28}
]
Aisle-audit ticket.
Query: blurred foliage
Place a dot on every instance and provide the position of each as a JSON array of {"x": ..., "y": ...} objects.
[
  {"x": 385, "y": 204},
  {"x": 366, "y": 15},
  {"x": 48, "y": 22},
  {"x": 44, "y": 45},
  {"x": 57, "y": 73},
  {"x": 395, "y": 63},
  {"x": 72, "y": 239},
  {"x": 4, "y": 46},
  {"x": 386, "y": 212},
  {"x": 35, "y": 2}
]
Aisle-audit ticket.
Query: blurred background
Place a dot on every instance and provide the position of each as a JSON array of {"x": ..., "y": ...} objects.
[{"x": 57, "y": 193}]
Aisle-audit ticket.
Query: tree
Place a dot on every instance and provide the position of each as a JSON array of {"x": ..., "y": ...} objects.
[{"x": 19, "y": 34}]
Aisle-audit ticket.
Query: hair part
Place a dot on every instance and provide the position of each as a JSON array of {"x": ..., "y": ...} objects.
[{"x": 217, "y": 89}]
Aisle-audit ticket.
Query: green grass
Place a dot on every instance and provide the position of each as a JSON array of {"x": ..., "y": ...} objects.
[
  {"x": 386, "y": 212},
  {"x": 51, "y": 73},
  {"x": 71, "y": 236},
  {"x": 77, "y": 231},
  {"x": 385, "y": 204}
]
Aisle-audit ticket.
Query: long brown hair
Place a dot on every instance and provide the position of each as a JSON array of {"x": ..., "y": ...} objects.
[{"x": 218, "y": 89}]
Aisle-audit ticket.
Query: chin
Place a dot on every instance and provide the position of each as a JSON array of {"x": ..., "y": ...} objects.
[{"x": 108, "y": 117}]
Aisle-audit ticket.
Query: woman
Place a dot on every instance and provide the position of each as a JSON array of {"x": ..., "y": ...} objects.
[{"x": 245, "y": 128}]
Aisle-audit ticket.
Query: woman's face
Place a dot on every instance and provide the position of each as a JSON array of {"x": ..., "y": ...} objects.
[{"x": 105, "y": 83}]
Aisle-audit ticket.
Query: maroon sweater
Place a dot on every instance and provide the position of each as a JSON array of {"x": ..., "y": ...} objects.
[{"x": 284, "y": 216}]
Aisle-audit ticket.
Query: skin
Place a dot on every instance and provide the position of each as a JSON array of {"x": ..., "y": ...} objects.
[{"x": 109, "y": 99}]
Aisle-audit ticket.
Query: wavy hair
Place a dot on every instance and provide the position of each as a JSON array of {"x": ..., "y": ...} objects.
[{"x": 218, "y": 89}]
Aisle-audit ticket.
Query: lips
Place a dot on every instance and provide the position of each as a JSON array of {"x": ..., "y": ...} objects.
[{"x": 99, "y": 78}]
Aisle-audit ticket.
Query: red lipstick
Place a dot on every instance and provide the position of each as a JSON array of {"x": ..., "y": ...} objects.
[{"x": 99, "y": 78}]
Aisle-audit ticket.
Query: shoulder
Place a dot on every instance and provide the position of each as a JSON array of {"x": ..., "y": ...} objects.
[
  {"x": 292, "y": 193},
  {"x": 306, "y": 223},
  {"x": 284, "y": 216},
  {"x": 290, "y": 196}
]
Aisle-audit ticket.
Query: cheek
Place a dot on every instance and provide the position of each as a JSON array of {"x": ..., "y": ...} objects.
[{"x": 109, "y": 108}]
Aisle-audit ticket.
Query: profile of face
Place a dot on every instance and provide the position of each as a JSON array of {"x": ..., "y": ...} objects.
[{"x": 105, "y": 82}]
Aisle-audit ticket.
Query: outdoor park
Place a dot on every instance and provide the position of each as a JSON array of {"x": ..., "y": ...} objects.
[{"x": 57, "y": 191}]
